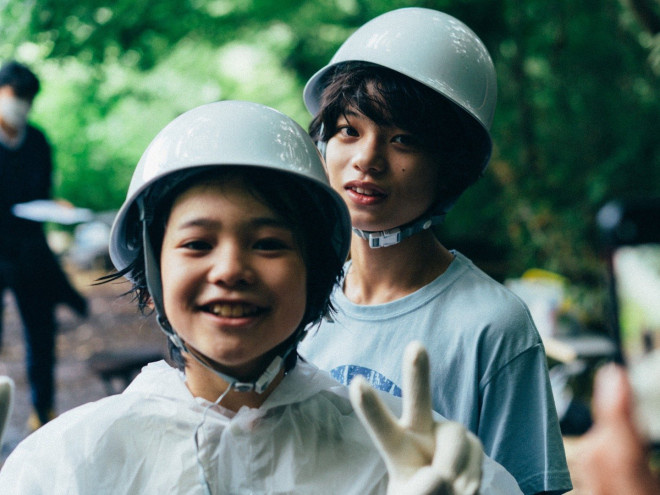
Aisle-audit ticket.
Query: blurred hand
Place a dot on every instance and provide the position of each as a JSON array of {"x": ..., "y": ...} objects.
[
  {"x": 422, "y": 456},
  {"x": 613, "y": 457}
]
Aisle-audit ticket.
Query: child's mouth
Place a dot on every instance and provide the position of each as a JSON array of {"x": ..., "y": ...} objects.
[
  {"x": 366, "y": 192},
  {"x": 236, "y": 310}
]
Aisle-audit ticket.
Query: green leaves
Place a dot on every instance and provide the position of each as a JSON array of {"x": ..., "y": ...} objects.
[{"x": 576, "y": 124}]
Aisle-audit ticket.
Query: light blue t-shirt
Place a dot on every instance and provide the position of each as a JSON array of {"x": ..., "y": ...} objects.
[{"x": 488, "y": 364}]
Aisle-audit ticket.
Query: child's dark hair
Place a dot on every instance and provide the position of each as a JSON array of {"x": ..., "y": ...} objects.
[
  {"x": 388, "y": 97},
  {"x": 21, "y": 79},
  {"x": 308, "y": 215}
]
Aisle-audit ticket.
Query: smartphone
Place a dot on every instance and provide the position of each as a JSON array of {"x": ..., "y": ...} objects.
[{"x": 631, "y": 233}]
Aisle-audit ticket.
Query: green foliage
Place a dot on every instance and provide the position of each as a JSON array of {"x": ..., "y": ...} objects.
[
  {"x": 577, "y": 113},
  {"x": 576, "y": 124}
]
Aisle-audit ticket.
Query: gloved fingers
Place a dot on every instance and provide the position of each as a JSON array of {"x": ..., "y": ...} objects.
[
  {"x": 417, "y": 408},
  {"x": 456, "y": 467},
  {"x": 469, "y": 481},
  {"x": 379, "y": 421},
  {"x": 458, "y": 457}
]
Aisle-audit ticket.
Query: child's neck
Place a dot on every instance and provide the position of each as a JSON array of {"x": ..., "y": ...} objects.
[{"x": 385, "y": 274}]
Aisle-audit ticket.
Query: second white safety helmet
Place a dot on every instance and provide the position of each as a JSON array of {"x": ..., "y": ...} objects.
[{"x": 430, "y": 47}]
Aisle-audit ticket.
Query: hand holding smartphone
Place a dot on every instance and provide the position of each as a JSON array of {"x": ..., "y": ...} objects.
[{"x": 631, "y": 231}]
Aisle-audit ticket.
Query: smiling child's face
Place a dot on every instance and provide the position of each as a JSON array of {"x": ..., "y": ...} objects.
[
  {"x": 384, "y": 174},
  {"x": 233, "y": 276}
]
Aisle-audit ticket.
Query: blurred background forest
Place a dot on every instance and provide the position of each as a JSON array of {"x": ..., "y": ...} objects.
[{"x": 577, "y": 122}]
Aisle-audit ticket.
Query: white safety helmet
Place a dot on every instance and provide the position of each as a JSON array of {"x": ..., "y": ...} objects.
[
  {"x": 430, "y": 47},
  {"x": 217, "y": 134},
  {"x": 227, "y": 133},
  {"x": 442, "y": 53}
]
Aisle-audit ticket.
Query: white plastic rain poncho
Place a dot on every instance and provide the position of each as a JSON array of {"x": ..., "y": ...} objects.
[{"x": 305, "y": 438}]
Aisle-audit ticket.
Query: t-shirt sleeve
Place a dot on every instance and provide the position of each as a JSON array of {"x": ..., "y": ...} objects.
[{"x": 519, "y": 425}]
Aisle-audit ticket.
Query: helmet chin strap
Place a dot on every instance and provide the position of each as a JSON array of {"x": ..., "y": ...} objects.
[
  {"x": 152, "y": 274},
  {"x": 390, "y": 237}
]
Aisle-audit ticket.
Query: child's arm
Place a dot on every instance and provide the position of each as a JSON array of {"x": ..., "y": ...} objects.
[{"x": 422, "y": 456}]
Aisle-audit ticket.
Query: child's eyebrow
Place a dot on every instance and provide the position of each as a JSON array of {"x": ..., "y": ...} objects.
[
  {"x": 270, "y": 222},
  {"x": 253, "y": 222},
  {"x": 350, "y": 113}
]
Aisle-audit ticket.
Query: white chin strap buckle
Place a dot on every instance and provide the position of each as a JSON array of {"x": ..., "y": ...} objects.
[
  {"x": 269, "y": 375},
  {"x": 264, "y": 380},
  {"x": 384, "y": 238}
]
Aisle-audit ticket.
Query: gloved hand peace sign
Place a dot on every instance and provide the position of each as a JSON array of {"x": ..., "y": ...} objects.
[{"x": 423, "y": 456}]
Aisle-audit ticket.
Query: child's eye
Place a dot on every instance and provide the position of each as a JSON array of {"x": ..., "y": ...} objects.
[
  {"x": 272, "y": 244},
  {"x": 197, "y": 245},
  {"x": 347, "y": 130},
  {"x": 407, "y": 140}
]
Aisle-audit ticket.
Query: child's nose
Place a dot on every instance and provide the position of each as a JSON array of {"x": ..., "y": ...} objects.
[
  {"x": 231, "y": 267},
  {"x": 369, "y": 157}
]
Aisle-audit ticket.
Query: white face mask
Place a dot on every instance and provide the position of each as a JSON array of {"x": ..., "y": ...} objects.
[{"x": 14, "y": 111}]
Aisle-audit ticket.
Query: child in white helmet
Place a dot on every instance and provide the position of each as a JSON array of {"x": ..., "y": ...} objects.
[
  {"x": 402, "y": 114},
  {"x": 231, "y": 232}
]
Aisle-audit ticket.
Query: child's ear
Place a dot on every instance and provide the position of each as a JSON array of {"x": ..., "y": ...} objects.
[{"x": 150, "y": 304}]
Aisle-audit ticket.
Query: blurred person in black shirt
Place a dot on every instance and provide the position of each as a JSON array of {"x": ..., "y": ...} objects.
[{"x": 27, "y": 266}]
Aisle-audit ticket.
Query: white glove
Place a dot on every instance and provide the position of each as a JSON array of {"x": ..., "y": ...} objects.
[{"x": 422, "y": 456}]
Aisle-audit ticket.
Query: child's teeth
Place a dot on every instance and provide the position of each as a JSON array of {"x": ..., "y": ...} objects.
[{"x": 234, "y": 310}]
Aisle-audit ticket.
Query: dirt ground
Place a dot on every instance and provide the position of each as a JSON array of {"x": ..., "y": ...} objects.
[{"x": 113, "y": 324}]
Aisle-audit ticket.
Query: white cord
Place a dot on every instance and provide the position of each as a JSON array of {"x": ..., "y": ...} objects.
[{"x": 202, "y": 475}]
